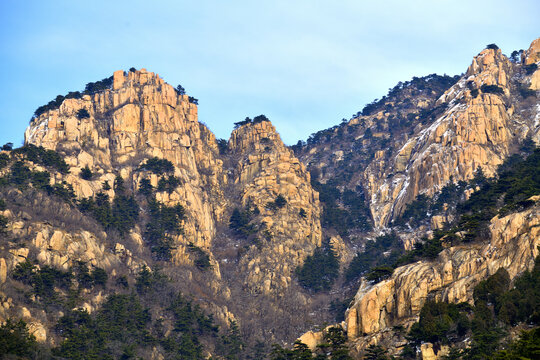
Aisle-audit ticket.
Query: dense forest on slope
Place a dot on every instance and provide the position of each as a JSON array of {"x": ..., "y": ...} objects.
[{"x": 128, "y": 325}]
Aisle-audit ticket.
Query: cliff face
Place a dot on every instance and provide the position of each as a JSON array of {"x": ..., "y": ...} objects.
[
  {"x": 475, "y": 123},
  {"x": 473, "y": 132},
  {"x": 113, "y": 132},
  {"x": 267, "y": 169},
  {"x": 451, "y": 277},
  {"x": 140, "y": 117}
]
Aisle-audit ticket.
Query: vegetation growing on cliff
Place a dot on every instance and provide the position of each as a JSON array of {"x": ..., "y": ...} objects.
[
  {"x": 16, "y": 342},
  {"x": 517, "y": 180},
  {"x": 320, "y": 270},
  {"x": 333, "y": 347},
  {"x": 343, "y": 211},
  {"x": 383, "y": 251},
  {"x": 39, "y": 155},
  {"x": 89, "y": 89},
  {"x": 351, "y": 146},
  {"x": 129, "y": 324},
  {"x": 157, "y": 166},
  {"x": 124, "y": 328},
  {"x": 433, "y": 82},
  {"x": 202, "y": 260},
  {"x": 248, "y": 120},
  {"x": 3, "y": 219},
  {"x": 498, "y": 305},
  {"x": 121, "y": 214},
  {"x": 86, "y": 173},
  {"x": 23, "y": 175},
  {"x": 163, "y": 224},
  {"x": 166, "y": 317}
]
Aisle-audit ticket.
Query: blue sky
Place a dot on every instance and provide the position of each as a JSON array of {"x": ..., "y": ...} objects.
[{"x": 304, "y": 64}]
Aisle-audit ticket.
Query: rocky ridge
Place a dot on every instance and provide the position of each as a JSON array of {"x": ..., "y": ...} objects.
[
  {"x": 113, "y": 132},
  {"x": 451, "y": 277},
  {"x": 473, "y": 132},
  {"x": 480, "y": 121},
  {"x": 445, "y": 133},
  {"x": 266, "y": 170},
  {"x": 475, "y": 123}
]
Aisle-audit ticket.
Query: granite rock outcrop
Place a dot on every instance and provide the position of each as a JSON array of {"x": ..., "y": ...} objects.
[
  {"x": 112, "y": 132},
  {"x": 451, "y": 277}
]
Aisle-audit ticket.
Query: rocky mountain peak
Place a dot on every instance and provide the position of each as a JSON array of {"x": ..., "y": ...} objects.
[
  {"x": 135, "y": 78},
  {"x": 119, "y": 125},
  {"x": 487, "y": 60},
  {"x": 255, "y": 135},
  {"x": 235, "y": 223},
  {"x": 477, "y": 129},
  {"x": 127, "y": 110},
  {"x": 532, "y": 55}
]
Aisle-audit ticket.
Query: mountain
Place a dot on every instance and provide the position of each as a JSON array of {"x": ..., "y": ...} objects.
[
  {"x": 416, "y": 177},
  {"x": 121, "y": 202},
  {"x": 429, "y": 126}
]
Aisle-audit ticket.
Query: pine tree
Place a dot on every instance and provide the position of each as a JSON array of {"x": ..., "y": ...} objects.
[{"x": 376, "y": 352}]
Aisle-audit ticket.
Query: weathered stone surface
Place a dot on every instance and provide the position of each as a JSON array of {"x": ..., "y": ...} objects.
[
  {"x": 265, "y": 170},
  {"x": 312, "y": 339},
  {"x": 472, "y": 133},
  {"x": 140, "y": 117},
  {"x": 352, "y": 324},
  {"x": 451, "y": 277},
  {"x": 535, "y": 81},
  {"x": 3, "y": 270},
  {"x": 38, "y": 330},
  {"x": 427, "y": 352},
  {"x": 533, "y": 53}
]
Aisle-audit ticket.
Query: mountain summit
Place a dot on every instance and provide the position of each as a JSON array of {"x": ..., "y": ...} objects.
[{"x": 128, "y": 229}]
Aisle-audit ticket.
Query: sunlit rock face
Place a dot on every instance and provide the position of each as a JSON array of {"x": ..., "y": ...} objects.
[
  {"x": 476, "y": 123},
  {"x": 474, "y": 131},
  {"x": 138, "y": 116},
  {"x": 451, "y": 277},
  {"x": 267, "y": 169}
]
